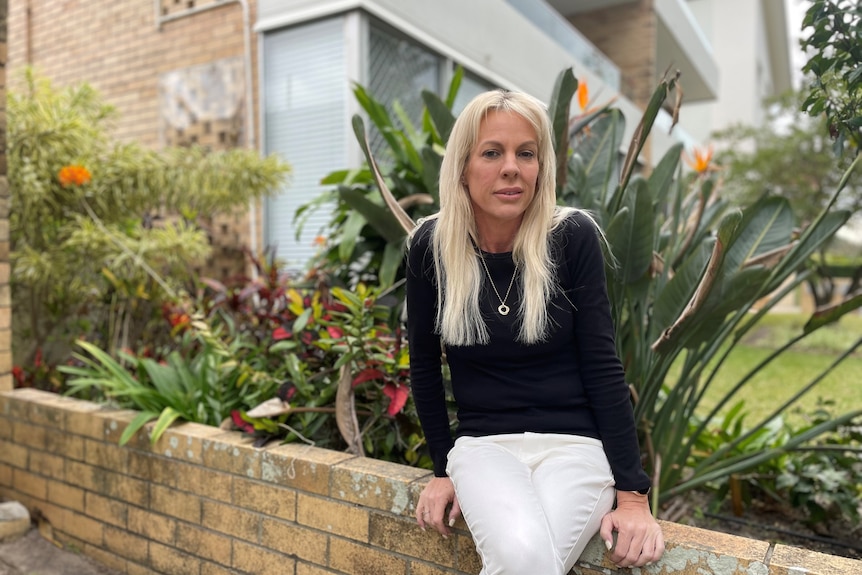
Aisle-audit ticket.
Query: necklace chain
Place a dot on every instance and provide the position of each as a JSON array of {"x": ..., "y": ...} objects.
[{"x": 502, "y": 308}]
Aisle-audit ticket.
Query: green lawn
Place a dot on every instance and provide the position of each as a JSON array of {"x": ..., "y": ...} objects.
[{"x": 793, "y": 369}]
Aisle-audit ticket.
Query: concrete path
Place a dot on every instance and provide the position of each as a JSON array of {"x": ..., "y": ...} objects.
[{"x": 34, "y": 555}]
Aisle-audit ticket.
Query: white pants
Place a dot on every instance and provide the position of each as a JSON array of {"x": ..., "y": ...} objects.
[{"x": 532, "y": 501}]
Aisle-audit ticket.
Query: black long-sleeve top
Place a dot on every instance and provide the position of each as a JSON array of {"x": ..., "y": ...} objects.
[{"x": 571, "y": 383}]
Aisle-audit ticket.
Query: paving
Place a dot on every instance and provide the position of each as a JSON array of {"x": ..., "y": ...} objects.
[{"x": 26, "y": 552}]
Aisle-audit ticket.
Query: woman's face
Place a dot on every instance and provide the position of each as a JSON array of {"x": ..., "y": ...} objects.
[{"x": 502, "y": 170}]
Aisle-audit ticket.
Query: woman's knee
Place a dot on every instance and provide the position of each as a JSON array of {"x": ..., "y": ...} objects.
[{"x": 518, "y": 551}]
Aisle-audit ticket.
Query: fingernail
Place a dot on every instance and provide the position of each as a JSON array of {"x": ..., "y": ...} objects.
[
  {"x": 452, "y": 522},
  {"x": 445, "y": 536},
  {"x": 608, "y": 544}
]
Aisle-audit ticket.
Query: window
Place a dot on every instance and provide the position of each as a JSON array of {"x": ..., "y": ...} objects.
[{"x": 305, "y": 116}]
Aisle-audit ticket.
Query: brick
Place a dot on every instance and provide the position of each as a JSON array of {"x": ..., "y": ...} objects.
[
  {"x": 47, "y": 411},
  {"x": 208, "y": 568},
  {"x": 265, "y": 498},
  {"x": 166, "y": 559},
  {"x": 231, "y": 521},
  {"x": 206, "y": 483},
  {"x": 122, "y": 487},
  {"x": 293, "y": 540},
  {"x": 48, "y": 513},
  {"x": 106, "y": 558},
  {"x": 27, "y": 434},
  {"x": 30, "y": 484},
  {"x": 204, "y": 543},
  {"x": 114, "y": 424},
  {"x": 417, "y": 568},
  {"x": 181, "y": 505},
  {"x": 135, "y": 569},
  {"x": 363, "y": 560},
  {"x": 108, "y": 455},
  {"x": 793, "y": 560},
  {"x": 17, "y": 402},
  {"x": 301, "y": 467},
  {"x": 46, "y": 465},
  {"x": 5, "y": 475},
  {"x": 106, "y": 510},
  {"x": 466, "y": 557},
  {"x": 81, "y": 475},
  {"x": 132, "y": 547},
  {"x": 402, "y": 535},
  {"x": 145, "y": 466},
  {"x": 61, "y": 443},
  {"x": 309, "y": 569},
  {"x": 14, "y": 455},
  {"x": 152, "y": 525},
  {"x": 378, "y": 484},
  {"x": 66, "y": 495},
  {"x": 346, "y": 519},
  {"x": 260, "y": 561},
  {"x": 82, "y": 527},
  {"x": 5, "y": 429},
  {"x": 81, "y": 419},
  {"x": 185, "y": 442},
  {"x": 230, "y": 452}
]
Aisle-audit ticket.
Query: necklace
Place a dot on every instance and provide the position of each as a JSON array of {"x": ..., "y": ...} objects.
[{"x": 503, "y": 308}]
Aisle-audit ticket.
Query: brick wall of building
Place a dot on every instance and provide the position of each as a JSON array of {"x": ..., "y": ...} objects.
[
  {"x": 123, "y": 50},
  {"x": 627, "y": 34},
  {"x": 202, "y": 501},
  {"x": 5, "y": 270}
]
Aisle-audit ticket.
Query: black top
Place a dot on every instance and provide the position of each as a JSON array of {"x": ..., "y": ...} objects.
[{"x": 573, "y": 382}]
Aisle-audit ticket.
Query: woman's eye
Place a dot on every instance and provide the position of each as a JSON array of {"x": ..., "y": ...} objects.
[
  {"x": 490, "y": 153},
  {"x": 527, "y": 154}
]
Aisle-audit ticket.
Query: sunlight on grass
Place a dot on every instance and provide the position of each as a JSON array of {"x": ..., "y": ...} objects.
[{"x": 791, "y": 371}]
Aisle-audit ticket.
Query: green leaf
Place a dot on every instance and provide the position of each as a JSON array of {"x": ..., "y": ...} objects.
[
  {"x": 377, "y": 216},
  {"x": 441, "y": 115},
  {"x": 300, "y": 322},
  {"x": 166, "y": 418},
  {"x": 393, "y": 255},
  {"x": 137, "y": 423}
]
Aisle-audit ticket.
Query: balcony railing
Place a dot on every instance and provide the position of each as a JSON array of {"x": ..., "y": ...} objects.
[{"x": 563, "y": 33}]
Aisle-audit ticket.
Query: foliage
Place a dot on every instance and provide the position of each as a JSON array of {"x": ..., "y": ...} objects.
[
  {"x": 688, "y": 278},
  {"x": 91, "y": 230},
  {"x": 365, "y": 240},
  {"x": 823, "y": 479},
  {"x": 308, "y": 336},
  {"x": 788, "y": 156},
  {"x": 835, "y": 48},
  {"x": 200, "y": 381}
]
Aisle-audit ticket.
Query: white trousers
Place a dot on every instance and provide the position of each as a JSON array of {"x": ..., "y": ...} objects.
[{"x": 532, "y": 501}]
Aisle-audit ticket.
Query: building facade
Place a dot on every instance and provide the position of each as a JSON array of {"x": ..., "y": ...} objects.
[{"x": 278, "y": 75}]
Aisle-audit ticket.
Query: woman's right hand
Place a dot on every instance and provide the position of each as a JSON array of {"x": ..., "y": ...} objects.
[{"x": 433, "y": 501}]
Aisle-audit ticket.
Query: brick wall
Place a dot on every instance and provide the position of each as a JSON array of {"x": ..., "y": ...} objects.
[
  {"x": 121, "y": 49},
  {"x": 5, "y": 294},
  {"x": 202, "y": 501}
]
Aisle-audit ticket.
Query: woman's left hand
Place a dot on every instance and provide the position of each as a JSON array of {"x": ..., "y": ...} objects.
[{"x": 639, "y": 538}]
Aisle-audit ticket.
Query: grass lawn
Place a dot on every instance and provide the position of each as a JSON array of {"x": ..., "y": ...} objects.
[{"x": 793, "y": 369}]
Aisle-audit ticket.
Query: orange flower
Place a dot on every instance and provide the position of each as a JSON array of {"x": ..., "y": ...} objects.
[
  {"x": 320, "y": 241},
  {"x": 701, "y": 161},
  {"x": 583, "y": 94},
  {"x": 77, "y": 175}
]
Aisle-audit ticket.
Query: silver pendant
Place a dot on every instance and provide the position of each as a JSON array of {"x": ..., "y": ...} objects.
[{"x": 503, "y": 309}]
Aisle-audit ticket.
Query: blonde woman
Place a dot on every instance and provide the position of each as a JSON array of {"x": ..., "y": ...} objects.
[{"x": 513, "y": 288}]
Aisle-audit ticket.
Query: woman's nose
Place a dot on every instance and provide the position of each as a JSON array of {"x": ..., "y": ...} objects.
[{"x": 510, "y": 165}]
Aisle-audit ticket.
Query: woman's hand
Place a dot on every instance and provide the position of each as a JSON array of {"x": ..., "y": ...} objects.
[
  {"x": 433, "y": 501},
  {"x": 639, "y": 538}
]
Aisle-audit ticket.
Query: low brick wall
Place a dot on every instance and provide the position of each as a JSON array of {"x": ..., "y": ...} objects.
[{"x": 202, "y": 501}]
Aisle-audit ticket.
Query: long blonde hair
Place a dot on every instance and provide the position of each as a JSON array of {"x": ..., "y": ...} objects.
[{"x": 459, "y": 275}]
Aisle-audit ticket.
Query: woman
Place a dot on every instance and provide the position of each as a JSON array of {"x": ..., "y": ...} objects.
[{"x": 512, "y": 287}]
